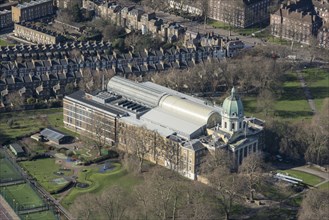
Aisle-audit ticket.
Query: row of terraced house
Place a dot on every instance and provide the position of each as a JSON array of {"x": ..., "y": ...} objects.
[{"x": 45, "y": 70}]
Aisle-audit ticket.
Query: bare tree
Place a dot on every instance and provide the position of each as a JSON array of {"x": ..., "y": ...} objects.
[
  {"x": 317, "y": 137},
  {"x": 16, "y": 100},
  {"x": 140, "y": 143},
  {"x": 315, "y": 205},
  {"x": 251, "y": 170},
  {"x": 112, "y": 204},
  {"x": 266, "y": 101},
  {"x": 99, "y": 131},
  {"x": 219, "y": 158},
  {"x": 159, "y": 195},
  {"x": 227, "y": 188},
  {"x": 197, "y": 203}
]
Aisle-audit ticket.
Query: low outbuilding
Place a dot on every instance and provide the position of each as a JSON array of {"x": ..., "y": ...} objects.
[
  {"x": 55, "y": 136},
  {"x": 17, "y": 150}
]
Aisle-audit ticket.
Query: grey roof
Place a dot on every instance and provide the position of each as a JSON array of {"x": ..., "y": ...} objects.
[
  {"x": 80, "y": 97},
  {"x": 136, "y": 91},
  {"x": 52, "y": 134},
  {"x": 18, "y": 148},
  {"x": 194, "y": 145}
]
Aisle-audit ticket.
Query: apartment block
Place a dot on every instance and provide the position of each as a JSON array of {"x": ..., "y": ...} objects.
[
  {"x": 239, "y": 13},
  {"x": 30, "y": 11},
  {"x": 303, "y": 21},
  {"x": 5, "y": 19}
]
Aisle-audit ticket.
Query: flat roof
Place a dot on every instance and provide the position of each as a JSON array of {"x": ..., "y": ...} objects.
[
  {"x": 161, "y": 117},
  {"x": 79, "y": 96}
]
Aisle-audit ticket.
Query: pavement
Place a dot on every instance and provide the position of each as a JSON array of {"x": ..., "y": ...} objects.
[{"x": 6, "y": 212}]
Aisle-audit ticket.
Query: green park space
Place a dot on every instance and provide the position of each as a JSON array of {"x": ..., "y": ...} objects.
[
  {"x": 318, "y": 82},
  {"x": 44, "y": 171},
  {"x": 46, "y": 215},
  {"x": 22, "y": 194},
  {"x": 292, "y": 103},
  {"x": 27, "y": 122},
  {"x": 7, "y": 171},
  {"x": 324, "y": 186},
  {"x": 98, "y": 182},
  {"x": 241, "y": 31},
  {"x": 307, "y": 178},
  {"x": 4, "y": 43}
]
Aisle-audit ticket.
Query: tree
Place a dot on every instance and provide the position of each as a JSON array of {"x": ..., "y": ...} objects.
[
  {"x": 251, "y": 171},
  {"x": 220, "y": 158},
  {"x": 112, "y": 204},
  {"x": 316, "y": 136},
  {"x": 10, "y": 123},
  {"x": 111, "y": 32},
  {"x": 160, "y": 194},
  {"x": 315, "y": 205},
  {"x": 139, "y": 143},
  {"x": 76, "y": 13},
  {"x": 227, "y": 188},
  {"x": 16, "y": 100},
  {"x": 69, "y": 88},
  {"x": 99, "y": 128},
  {"x": 266, "y": 101},
  {"x": 197, "y": 203}
]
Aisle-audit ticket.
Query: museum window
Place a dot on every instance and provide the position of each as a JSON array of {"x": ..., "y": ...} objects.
[
  {"x": 233, "y": 126},
  {"x": 225, "y": 125}
]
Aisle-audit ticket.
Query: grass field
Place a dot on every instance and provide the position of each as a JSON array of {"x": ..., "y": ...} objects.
[
  {"x": 292, "y": 104},
  {"x": 324, "y": 186},
  {"x": 306, "y": 177},
  {"x": 318, "y": 82},
  {"x": 26, "y": 122},
  {"x": 4, "y": 43},
  {"x": 241, "y": 31},
  {"x": 7, "y": 171},
  {"x": 43, "y": 170},
  {"x": 100, "y": 181},
  {"x": 46, "y": 215},
  {"x": 24, "y": 195}
]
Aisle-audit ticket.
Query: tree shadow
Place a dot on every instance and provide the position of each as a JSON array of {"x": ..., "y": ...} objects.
[{"x": 293, "y": 114}]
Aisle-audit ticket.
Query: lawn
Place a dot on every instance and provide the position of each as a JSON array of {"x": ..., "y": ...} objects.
[
  {"x": 26, "y": 122},
  {"x": 324, "y": 186},
  {"x": 291, "y": 104},
  {"x": 44, "y": 172},
  {"x": 240, "y": 31},
  {"x": 4, "y": 43},
  {"x": 318, "y": 82},
  {"x": 23, "y": 194},
  {"x": 306, "y": 177},
  {"x": 100, "y": 181},
  {"x": 46, "y": 215},
  {"x": 7, "y": 171}
]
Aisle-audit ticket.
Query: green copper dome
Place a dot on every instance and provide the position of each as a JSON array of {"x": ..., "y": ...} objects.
[{"x": 232, "y": 105}]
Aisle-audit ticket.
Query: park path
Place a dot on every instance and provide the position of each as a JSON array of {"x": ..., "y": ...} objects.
[
  {"x": 318, "y": 173},
  {"x": 307, "y": 92}
]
